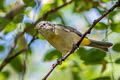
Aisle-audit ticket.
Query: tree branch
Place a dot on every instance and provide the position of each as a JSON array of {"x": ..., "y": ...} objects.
[
  {"x": 12, "y": 12},
  {"x": 53, "y": 10},
  {"x": 10, "y": 53},
  {"x": 79, "y": 42},
  {"x": 8, "y": 59},
  {"x": 27, "y": 29}
]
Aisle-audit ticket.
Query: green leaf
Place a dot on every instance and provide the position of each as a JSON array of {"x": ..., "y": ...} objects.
[
  {"x": 116, "y": 47},
  {"x": 18, "y": 18},
  {"x": 1, "y": 48},
  {"x": 103, "y": 78},
  {"x": 4, "y": 75},
  {"x": 27, "y": 10},
  {"x": 9, "y": 28},
  {"x": 41, "y": 37},
  {"x": 21, "y": 42},
  {"x": 51, "y": 55},
  {"x": 56, "y": 16},
  {"x": 47, "y": 7},
  {"x": 16, "y": 64},
  {"x": 80, "y": 5},
  {"x": 30, "y": 3},
  {"x": 111, "y": 15},
  {"x": 52, "y": 16},
  {"x": 105, "y": 0},
  {"x": 101, "y": 26},
  {"x": 91, "y": 56},
  {"x": 3, "y": 22},
  {"x": 31, "y": 30},
  {"x": 115, "y": 27},
  {"x": 117, "y": 61},
  {"x": 1, "y": 4}
]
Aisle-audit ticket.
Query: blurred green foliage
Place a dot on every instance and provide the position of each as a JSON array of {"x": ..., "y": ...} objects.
[
  {"x": 116, "y": 27},
  {"x": 52, "y": 55},
  {"x": 16, "y": 64},
  {"x": 102, "y": 78},
  {"x": 1, "y": 47},
  {"x": 101, "y": 26},
  {"x": 116, "y": 47},
  {"x": 92, "y": 56},
  {"x": 4, "y": 75},
  {"x": 84, "y": 64},
  {"x": 117, "y": 61}
]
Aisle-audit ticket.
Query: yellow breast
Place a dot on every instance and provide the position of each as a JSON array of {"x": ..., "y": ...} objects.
[{"x": 63, "y": 41}]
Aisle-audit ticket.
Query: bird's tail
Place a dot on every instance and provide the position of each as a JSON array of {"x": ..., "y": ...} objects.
[{"x": 100, "y": 45}]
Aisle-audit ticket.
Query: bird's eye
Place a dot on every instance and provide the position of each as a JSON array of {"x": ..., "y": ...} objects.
[{"x": 43, "y": 24}]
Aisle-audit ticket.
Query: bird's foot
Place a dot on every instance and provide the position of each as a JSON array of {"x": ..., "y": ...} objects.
[
  {"x": 59, "y": 61},
  {"x": 75, "y": 46}
]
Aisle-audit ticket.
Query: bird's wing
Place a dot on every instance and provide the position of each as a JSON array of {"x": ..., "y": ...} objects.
[{"x": 70, "y": 29}]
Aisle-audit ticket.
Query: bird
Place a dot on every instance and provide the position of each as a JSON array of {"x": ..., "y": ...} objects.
[{"x": 63, "y": 37}]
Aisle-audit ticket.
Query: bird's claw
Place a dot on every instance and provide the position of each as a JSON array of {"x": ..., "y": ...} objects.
[
  {"x": 75, "y": 45},
  {"x": 59, "y": 61}
]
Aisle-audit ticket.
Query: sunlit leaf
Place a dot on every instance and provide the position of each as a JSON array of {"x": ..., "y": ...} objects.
[
  {"x": 105, "y": 0},
  {"x": 75, "y": 70},
  {"x": 51, "y": 55},
  {"x": 10, "y": 28},
  {"x": 101, "y": 26},
  {"x": 41, "y": 37},
  {"x": 115, "y": 27},
  {"x": 4, "y": 75},
  {"x": 27, "y": 10}
]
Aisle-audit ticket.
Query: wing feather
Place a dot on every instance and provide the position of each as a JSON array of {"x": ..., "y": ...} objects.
[{"x": 70, "y": 29}]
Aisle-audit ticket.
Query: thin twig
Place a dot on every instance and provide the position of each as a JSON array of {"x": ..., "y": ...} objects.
[
  {"x": 79, "y": 42},
  {"x": 8, "y": 59},
  {"x": 12, "y": 12},
  {"x": 53, "y": 10},
  {"x": 110, "y": 55},
  {"x": 10, "y": 53}
]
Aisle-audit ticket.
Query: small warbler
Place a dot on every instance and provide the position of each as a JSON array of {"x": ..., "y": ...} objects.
[{"x": 63, "y": 37}]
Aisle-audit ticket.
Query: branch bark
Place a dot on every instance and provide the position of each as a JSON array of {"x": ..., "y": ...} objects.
[
  {"x": 12, "y": 56},
  {"x": 53, "y": 10},
  {"x": 11, "y": 13},
  {"x": 79, "y": 42},
  {"x": 10, "y": 53}
]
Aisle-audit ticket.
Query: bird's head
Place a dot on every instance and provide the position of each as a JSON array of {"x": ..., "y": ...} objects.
[{"x": 45, "y": 27}]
